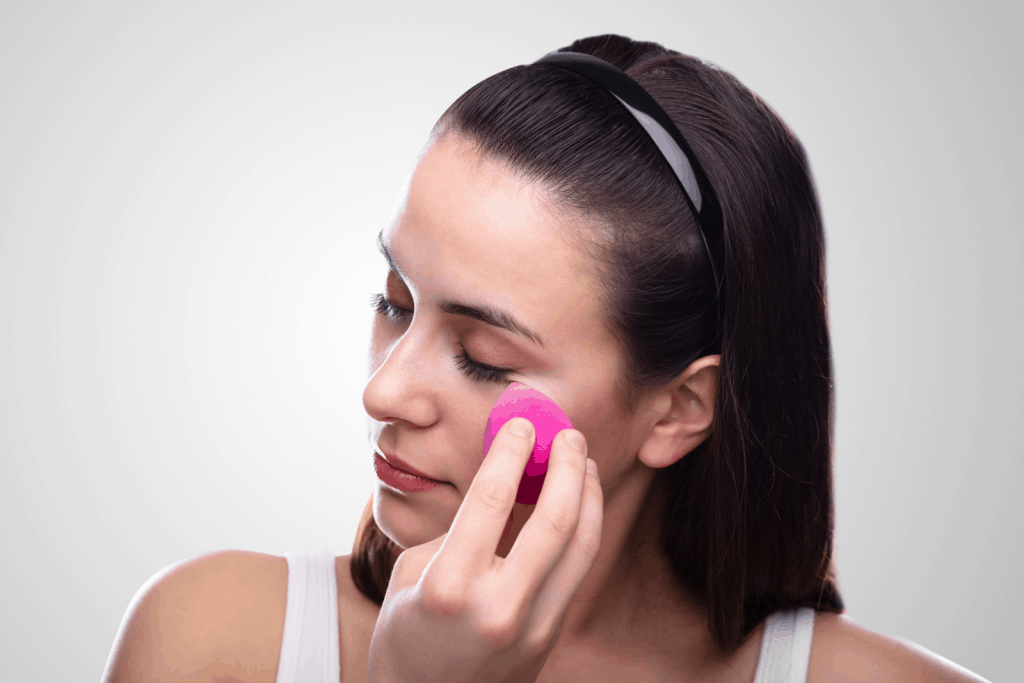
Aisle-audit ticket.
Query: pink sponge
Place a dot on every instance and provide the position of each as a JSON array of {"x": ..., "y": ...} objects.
[{"x": 548, "y": 419}]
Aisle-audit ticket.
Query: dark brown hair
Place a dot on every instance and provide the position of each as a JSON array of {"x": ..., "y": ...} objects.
[{"x": 749, "y": 519}]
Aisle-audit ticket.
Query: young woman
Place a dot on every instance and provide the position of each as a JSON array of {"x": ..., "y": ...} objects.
[{"x": 635, "y": 234}]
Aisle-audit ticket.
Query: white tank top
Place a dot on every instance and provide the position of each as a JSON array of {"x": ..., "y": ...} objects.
[{"x": 309, "y": 648}]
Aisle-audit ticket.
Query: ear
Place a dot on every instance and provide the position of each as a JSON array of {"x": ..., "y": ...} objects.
[{"x": 686, "y": 409}]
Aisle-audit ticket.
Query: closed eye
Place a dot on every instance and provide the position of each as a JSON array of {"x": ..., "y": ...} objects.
[
  {"x": 472, "y": 369},
  {"x": 384, "y": 307}
]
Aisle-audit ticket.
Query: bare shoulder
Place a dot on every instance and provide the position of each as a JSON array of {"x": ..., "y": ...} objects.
[
  {"x": 215, "y": 616},
  {"x": 842, "y": 652}
]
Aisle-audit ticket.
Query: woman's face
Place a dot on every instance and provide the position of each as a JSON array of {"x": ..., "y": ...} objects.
[{"x": 470, "y": 234}]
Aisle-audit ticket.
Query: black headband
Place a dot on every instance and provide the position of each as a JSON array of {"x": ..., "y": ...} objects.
[{"x": 670, "y": 142}]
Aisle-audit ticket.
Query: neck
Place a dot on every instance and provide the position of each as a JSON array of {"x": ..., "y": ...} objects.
[{"x": 630, "y": 598}]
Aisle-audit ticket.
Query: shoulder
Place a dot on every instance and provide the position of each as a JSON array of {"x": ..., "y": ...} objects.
[
  {"x": 842, "y": 652},
  {"x": 215, "y": 615}
]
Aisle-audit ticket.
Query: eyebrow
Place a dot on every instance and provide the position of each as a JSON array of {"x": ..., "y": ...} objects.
[{"x": 482, "y": 312}]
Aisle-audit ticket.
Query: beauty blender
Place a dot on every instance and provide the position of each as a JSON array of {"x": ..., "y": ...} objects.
[{"x": 548, "y": 419}]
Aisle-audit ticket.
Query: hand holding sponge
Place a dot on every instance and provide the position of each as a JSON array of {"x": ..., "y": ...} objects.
[{"x": 548, "y": 419}]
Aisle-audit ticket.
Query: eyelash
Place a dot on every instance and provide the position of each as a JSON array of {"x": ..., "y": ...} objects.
[{"x": 472, "y": 369}]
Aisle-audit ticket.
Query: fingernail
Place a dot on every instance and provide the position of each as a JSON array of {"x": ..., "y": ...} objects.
[
  {"x": 520, "y": 426},
  {"x": 592, "y": 467},
  {"x": 575, "y": 439}
]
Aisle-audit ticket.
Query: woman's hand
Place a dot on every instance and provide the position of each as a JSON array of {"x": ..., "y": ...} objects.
[{"x": 455, "y": 611}]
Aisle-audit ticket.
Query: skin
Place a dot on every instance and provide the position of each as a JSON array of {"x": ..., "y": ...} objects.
[{"x": 469, "y": 230}]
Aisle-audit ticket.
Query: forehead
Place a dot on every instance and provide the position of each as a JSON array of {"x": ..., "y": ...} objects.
[{"x": 471, "y": 230}]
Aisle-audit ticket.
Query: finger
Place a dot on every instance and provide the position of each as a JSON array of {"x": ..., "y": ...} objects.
[
  {"x": 412, "y": 562},
  {"x": 554, "y": 521},
  {"x": 476, "y": 530},
  {"x": 554, "y": 597}
]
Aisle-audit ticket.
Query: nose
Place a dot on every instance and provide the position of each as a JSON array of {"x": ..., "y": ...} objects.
[{"x": 401, "y": 385}]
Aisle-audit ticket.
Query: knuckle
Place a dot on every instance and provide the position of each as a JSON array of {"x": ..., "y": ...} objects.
[
  {"x": 500, "y": 630},
  {"x": 443, "y": 598},
  {"x": 493, "y": 496},
  {"x": 401, "y": 561},
  {"x": 405, "y": 563},
  {"x": 563, "y": 519},
  {"x": 539, "y": 639}
]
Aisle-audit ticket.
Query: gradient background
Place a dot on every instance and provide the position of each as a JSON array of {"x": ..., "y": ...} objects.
[{"x": 189, "y": 194}]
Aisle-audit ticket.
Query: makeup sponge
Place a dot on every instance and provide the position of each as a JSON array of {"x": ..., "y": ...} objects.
[{"x": 548, "y": 419}]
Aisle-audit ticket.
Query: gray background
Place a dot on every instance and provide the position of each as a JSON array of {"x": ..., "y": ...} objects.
[{"x": 189, "y": 194}]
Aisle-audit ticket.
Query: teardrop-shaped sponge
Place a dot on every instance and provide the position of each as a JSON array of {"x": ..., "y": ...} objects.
[{"x": 548, "y": 419}]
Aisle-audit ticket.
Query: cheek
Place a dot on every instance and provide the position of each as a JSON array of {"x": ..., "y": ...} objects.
[
  {"x": 469, "y": 423},
  {"x": 608, "y": 433}
]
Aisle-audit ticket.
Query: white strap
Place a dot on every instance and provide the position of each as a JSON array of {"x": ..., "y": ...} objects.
[
  {"x": 309, "y": 647},
  {"x": 786, "y": 646}
]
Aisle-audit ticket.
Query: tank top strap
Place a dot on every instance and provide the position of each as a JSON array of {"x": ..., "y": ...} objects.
[
  {"x": 309, "y": 647},
  {"x": 786, "y": 646}
]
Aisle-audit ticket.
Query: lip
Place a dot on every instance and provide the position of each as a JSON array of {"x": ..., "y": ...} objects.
[
  {"x": 400, "y": 464},
  {"x": 399, "y": 479}
]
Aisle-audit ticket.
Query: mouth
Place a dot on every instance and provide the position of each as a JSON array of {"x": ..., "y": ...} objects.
[{"x": 403, "y": 466}]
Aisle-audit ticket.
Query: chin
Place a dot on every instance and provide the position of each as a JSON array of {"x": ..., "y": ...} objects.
[{"x": 404, "y": 522}]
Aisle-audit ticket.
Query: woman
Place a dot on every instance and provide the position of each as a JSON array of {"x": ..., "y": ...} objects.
[{"x": 662, "y": 280}]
